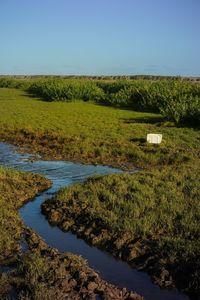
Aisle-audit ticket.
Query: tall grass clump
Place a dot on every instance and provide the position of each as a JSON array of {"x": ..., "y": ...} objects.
[
  {"x": 177, "y": 100},
  {"x": 66, "y": 90},
  {"x": 9, "y": 82}
]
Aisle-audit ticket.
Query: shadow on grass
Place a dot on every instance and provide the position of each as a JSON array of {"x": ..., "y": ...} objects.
[
  {"x": 48, "y": 100},
  {"x": 157, "y": 120},
  {"x": 192, "y": 123},
  {"x": 35, "y": 97},
  {"x": 139, "y": 141}
]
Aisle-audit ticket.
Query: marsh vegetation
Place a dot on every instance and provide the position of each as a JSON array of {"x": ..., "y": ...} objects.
[
  {"x": 16, "y": 188},
  {"x": 175, "y": 99},
  {"x": 39, "y": 271},
  {"x": 151, "y": 218}
]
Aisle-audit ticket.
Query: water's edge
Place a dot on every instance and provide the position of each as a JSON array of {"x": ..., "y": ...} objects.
[{"x": 63, "y": 173}]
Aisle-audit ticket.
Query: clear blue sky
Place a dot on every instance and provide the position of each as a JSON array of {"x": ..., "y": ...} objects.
[{"x": 100, "y": 37}]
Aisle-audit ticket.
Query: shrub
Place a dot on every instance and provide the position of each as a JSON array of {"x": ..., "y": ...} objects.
[
  {"x": 66, "y": 90},
  {"x": 178, "y": 100}
]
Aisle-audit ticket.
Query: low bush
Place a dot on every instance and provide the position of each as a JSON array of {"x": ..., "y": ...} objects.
[
  {"x": 66, "y": 90},
  {"x": 178, "y": 100}
]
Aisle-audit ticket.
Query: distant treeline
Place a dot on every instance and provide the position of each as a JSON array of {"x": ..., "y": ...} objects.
[
  {"x": 102, "y": 77},
  {"x": 176, "y": 99}
]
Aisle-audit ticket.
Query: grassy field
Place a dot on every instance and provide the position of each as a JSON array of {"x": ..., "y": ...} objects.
[
  {"x": 92, "y": 133},
  {"x": 177, "y": 100},
  {"x": 155, "y": 213}
]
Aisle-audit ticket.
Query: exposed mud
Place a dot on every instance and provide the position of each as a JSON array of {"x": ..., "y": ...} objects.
[
  {"x": 44, "y": 273},
  {"x": 139, "y": 252},
  {"x": 15, "y": 192},
  {"x": 64, "y": 276}
]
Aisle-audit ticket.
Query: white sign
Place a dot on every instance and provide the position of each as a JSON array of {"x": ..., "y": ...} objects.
[{"x": 154, "y": 138}]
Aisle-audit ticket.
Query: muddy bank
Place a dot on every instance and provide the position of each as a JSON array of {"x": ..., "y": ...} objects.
[
  {"x": 44, "y": 273},
  {"x": 29, "y": 268},
  {"x": 103, "y": 209},
  {"x": 16, "y": 189},
  {"x": 140, "y": 253}
]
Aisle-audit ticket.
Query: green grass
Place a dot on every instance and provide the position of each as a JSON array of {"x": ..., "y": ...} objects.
[
  {"x": 150, "y": 219},
  {"x": 16, "y": 188},
  {"x": 176, "y": 99},
  {"x": 160, "y": 205},
  {"x": 149, "y": 204},
  {"x": 91, "y": 133}
]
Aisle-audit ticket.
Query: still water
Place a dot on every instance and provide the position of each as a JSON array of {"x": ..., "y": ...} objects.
[{"x": 63, "y": 173}]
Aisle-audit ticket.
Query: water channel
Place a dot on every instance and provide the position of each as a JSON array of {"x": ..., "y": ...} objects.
[{"x": 63, "y": 173}]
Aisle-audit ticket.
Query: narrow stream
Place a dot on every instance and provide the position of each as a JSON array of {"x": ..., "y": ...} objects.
[{"x": 63, "y": 173}]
